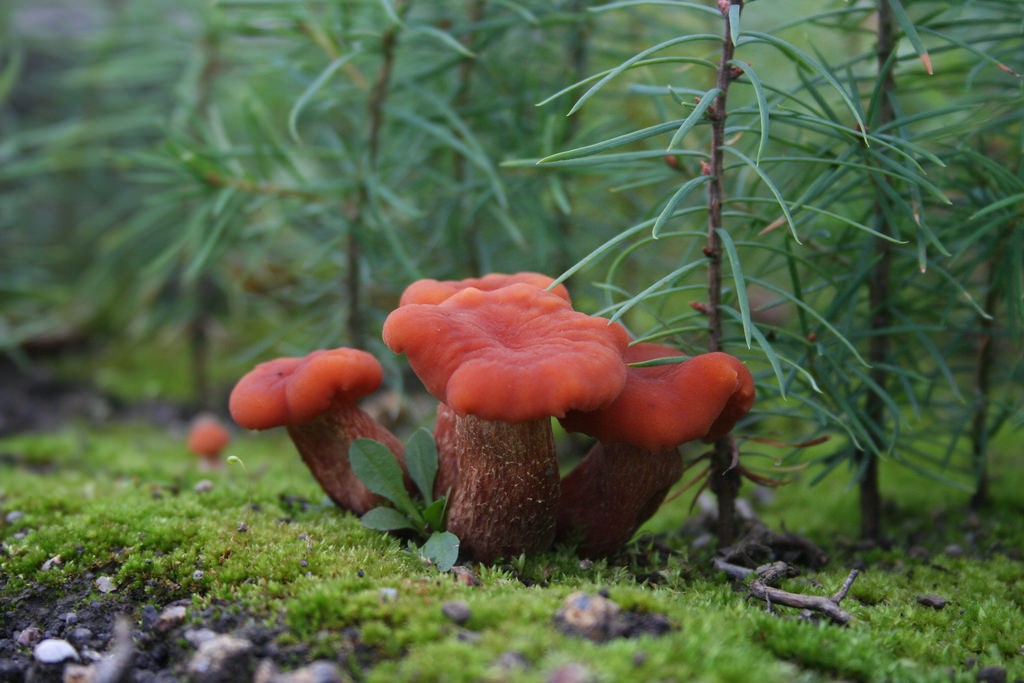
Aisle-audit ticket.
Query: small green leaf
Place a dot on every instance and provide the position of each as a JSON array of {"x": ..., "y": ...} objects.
[
  {"x": 741, "y": 286},
  {"x": 421, "y": 459},
  {"x": 696, "y": 116},
  {"x": 442, "y": 548},
  {"x": 386, "y": 519},
  {"x": 670, "y": 208},
  {"x": 313, "y": 88},
  {"x": 903, "y": 19},
  {"x": 734, "y": 22},
  {"x": 377, "y": 467},
  {"x": 434, "y": 513}
]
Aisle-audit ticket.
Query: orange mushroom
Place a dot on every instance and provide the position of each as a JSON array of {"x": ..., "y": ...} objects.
[
  {"x": 315, "y": 397},
  {"x": 504, "y": 362},
  {"x": 625, "y": 477},
  {"x": 430, "y": 291},
  {"x": 207, "y": 438}
]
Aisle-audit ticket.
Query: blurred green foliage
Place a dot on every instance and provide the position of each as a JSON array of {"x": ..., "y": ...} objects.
[{"x": 247, "y": 178}]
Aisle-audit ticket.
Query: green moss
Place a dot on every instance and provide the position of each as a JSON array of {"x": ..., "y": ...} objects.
[{"x": 124, "y": 503}]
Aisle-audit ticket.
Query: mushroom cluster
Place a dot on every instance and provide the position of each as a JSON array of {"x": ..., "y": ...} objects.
[{"x": 504, "y": 355}]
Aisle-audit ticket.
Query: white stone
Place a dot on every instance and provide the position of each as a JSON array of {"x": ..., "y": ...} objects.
[{"x": 54, "y": 651}]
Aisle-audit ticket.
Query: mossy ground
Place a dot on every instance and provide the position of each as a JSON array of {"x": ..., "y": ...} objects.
[{"x": 122, "y": 502}]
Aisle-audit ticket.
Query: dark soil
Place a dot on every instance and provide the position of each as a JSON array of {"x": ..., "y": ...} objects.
[
  {"x": 32, "y": 399},
  {"x": 162, "y": 648}
]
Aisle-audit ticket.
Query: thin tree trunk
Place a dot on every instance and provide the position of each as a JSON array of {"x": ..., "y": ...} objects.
[
  {"x": 578, "y": 54},
  {"x": 879, "y": 299},
  {"x": 982, "y": 387},
  {"x": 725, "y": 476},
  {"x": 356, "y": 320}
]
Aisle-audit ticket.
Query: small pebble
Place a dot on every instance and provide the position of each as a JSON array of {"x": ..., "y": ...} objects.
[
  {"x": 242, "y": 527},
  {"x": 14, "y": 516},
  {"x": 464, "y": 576},
  {"x": 388, "y": 594},
  {"x": 199, "y": 636},
  {"x": 170, "y": 618},
  {"x": 29, "y": 636},
  {"x": 80, "y": 635},
  {"x": 197, "y": 575},
  {"x": 203, "y": 486},
  {"x": 991, "y": 674},
  {"x": 933, "y": 601},
  {"x": 317, "y": 672},
  {"x": 456, "y": 610},
  {"x": 54, "y": 561},
  {"x": 954, "y": 550},
  {"x": 590, "y": 616},
  {"x": 105, "y": 584},
  {"x": 218, "y": 657},
  {"x": 54, "y": 651},
  {"x": 512, "y": 661}
]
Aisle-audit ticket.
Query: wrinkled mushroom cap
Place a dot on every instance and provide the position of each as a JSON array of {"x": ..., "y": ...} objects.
[
  {"x": 289, "y": 391},
  {"x": 663, "y": 406},
  {"x": 435, "y": 291},
  {"x": 207, "y": 436},
  {"x": 513, "y": 354}
]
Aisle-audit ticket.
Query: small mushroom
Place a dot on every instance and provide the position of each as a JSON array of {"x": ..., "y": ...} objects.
[
  {"x": 315, "y": 398},
  {"x": 207, "y": 438},
  {"x": 625, "y": 477},
  {"x": 504, "y": 362}
]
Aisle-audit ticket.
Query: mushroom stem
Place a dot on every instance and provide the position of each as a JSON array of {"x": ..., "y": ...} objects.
[
  {"x": 611, "y": 492},
  {"x": 504, "y": 479},
  {"x": 444, "y": 438},
  {"x": 324, "y": 442}
]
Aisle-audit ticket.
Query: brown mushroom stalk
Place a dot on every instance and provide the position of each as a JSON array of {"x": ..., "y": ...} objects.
[
  {"x": 314, "y": 398},
  {"x": 504, "y": 362},
  {"x": 324, "y": 442},
  {"x": 625, "y": 477},
  {"x": 611, "y": 492}
]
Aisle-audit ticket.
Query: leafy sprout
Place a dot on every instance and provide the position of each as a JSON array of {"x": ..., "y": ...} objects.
[{"x": 376, "y": 467}]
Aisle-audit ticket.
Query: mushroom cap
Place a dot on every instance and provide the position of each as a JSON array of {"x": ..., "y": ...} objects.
[
  {"x": 435, "y": 291},
  {"x": 207, "y": 436},
  {"x": 663, "y": 406},
  {"x": 513, "y": 354},
  {"x": 287, "y": 391}
]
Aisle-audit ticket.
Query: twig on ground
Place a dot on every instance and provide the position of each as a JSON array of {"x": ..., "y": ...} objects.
[{"x": 762, "y": 589}]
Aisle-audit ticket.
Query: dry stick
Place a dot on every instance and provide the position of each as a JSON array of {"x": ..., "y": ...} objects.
[
  {"x": 724, "y": 477},
  {"x": 760, "y": 589}
]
